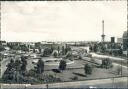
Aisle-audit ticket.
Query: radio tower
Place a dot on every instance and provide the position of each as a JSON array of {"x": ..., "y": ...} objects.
[
  {"x": 103, "y": 35},
  {"x": 0, "y": 21}
]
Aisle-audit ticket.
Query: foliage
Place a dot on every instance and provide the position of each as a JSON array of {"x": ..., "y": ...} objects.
[
  {"x": 50, "y": 79},
  {"x": 88, "y": 69},
  {"x": 15, "y": 47},
  {"x": 103, "y": 49},
  {"x": 58, "y": 49},
  {"x": 75, "y": 78},
  {"x": 17, "y": 65},
  {"x": 95, "y": 48},
  {"x": 12, "y": 72},
  {"x": 63, "y": 50},
  {"x": 67, "y": 49},
  {"x": 55, "y": 54},
  {"x": 23, "y": 64},
  {"x": 119, "y": 70},
  {"x": 40, "y": 67},
  {"x": 10, "y": 65},
  {"x": 24, "y": 48},
  {"x": 2, "y": 48},
  {"x": 47, "y": 52},
  {"x": 16, "y": 72},
  {"x": 9, "y": 72},
  {"x": 62, "y": 65},
  {"x": 69, "y": 55},
  {"x": 32, "y": 73},
  {"x": 106, "y": 63}
]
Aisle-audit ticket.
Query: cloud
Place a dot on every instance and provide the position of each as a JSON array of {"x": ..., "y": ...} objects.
[{"x": 62, "y": 20}]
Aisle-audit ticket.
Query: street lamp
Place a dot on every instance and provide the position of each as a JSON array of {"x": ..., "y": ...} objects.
[
  {"x": 113, "y": 82},
  {"x": 46, "y": 82},
  {"x": 121, "y": 69}
]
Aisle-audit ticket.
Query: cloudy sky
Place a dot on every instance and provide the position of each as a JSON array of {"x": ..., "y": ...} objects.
[{"x": 62, "y": 21}]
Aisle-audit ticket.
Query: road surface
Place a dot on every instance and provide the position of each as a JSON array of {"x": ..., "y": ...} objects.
[{"x": 102, "y": 83}]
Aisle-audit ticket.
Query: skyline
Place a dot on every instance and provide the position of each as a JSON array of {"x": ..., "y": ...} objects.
[{"x": 62, "y": 21}]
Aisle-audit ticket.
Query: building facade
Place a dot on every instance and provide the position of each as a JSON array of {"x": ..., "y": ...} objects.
[{"x": 125, "y": 41}]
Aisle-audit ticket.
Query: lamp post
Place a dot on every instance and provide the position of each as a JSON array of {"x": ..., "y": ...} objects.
[
  {"x": 46, "y": 82},
  {"x": 113, "y": 82},
  {"x": 121, "y": 69}
]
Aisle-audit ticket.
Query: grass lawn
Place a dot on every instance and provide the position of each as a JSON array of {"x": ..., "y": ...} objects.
[{"x": 68, "y": 75}]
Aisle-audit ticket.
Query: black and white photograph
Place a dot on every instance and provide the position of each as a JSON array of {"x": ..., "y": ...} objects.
[{"x": 64, "y": 44}]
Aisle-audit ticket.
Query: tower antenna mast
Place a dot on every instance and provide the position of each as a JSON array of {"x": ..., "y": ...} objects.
[{"x": 103, "y": 35}]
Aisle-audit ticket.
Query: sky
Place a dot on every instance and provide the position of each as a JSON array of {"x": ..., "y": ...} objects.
[{"x": 29, "y": 21}]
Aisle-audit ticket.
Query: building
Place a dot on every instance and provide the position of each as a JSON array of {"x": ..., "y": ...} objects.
[
  {"x": 120, "y": 40},
  {"x": 4, "y": 43},
  {"x": 125, "y": 41},
  {"x": 112, "y": 39}
]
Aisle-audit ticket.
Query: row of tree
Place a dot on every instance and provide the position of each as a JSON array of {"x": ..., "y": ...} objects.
[
  {"x": 15, "y": 71},
  {"x": 2, "y": 48}
]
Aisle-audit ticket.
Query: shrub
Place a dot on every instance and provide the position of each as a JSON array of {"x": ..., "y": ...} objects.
[
  {"x": 106, "y": 63},
  {"x": 62, "y": 65},
  {"x": 88, "y": 69}
]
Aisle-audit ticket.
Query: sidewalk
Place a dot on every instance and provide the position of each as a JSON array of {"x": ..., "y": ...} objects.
[
  {"x": 106, "y": 56},
  {"x": 110, "y": 81}
]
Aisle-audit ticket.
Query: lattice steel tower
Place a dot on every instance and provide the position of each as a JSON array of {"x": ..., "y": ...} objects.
[
  {"x": 103, "y": 35},
  {"x": 0, "y": 21}
]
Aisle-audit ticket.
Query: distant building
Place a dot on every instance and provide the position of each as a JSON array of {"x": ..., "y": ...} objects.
[
  {"x": 120, "y": 40},
  {"x": 125, "y": 41},
  {"x": 4, "y": 43},
  {"x": 112, "y": 39}
]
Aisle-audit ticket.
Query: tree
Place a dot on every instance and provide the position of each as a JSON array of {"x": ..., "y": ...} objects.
[
  {"x": 63, "y": 50},
  {"x": 58, "y": 49},
  {"x": 17, "y": 70},
  {"x": 95, "y": 48},
  {"x": 47, "y": 52},
  {"x": 69, "y": 55},
  {"x": 88, "y": 69},
  {"x": 90, "y": 48},
  {"x": 103, "y": 48},
  {"x": 55, "y": 54},
  {"x": 17, "y": 65},
  {"x": 119, "y": 70},
  {"x": 8, "y": 75},
  {"x": 106, "y": 63},
  {"x": 39, "y": 50},
  {"x": 15, "y": 47},
  {"x": 40, "y": 67},
  {"x": 24, "y": 48},
  {"x": 13, "y": 73},
  {"x": 2, "y": 48},
  {"x": 23, "y": 63},
  {"x": 10, "y": 65},
  {"x": 67, "y": 49},
  {"x": 62, "y": 65}
]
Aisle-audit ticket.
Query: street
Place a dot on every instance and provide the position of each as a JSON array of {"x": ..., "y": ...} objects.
[{"x": 102, "y": 83}]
